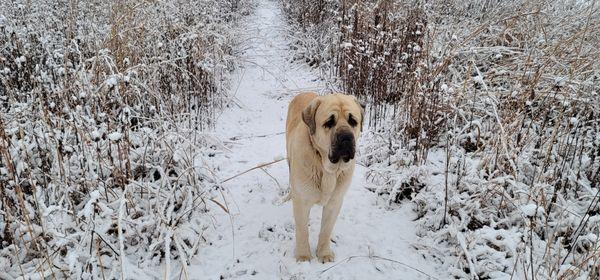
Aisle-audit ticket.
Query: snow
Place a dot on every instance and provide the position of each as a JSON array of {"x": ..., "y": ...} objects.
[
  {"x": 112, "y": 81},
  {"x": 95, "y": 135},
  {"x": 532, "y": 210},
  {"x": 115, "y": 136},
  {"x": 256, "y": 238},
  {"x": 444, "y": 88},
  {"x": 88, "y": 210},
  {"x": 573, "y": 120}
]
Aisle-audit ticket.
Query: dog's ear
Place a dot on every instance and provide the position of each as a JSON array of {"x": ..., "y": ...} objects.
[
  {"x": 362, "y": 112},
  {"x": 308, "y": 115}
]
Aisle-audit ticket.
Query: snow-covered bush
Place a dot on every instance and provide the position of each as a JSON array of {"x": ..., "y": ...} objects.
[
  {"x": 312, "y": 40},
  {"x": 484, "y": 114},
  {"x": 105, "y": 169}
]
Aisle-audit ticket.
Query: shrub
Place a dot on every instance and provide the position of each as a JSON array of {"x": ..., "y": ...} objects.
[
  {"x": 102, "y": 152},
  {"x": 484, "y": 115}
]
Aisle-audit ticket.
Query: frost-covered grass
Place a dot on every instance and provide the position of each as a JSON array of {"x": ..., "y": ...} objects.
[
  {"x": 105, "y": 169},
  {"x": 484, "y": 114}
]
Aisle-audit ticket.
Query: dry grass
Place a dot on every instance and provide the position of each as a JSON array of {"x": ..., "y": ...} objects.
[
  {"x": 505, "y": 93},
  {"x": 102, "y": 108}
]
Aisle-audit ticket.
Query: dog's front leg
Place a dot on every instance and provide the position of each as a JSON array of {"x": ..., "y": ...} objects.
[
  {"x": 301, "y": 214},
  {"x": 329, "y": 216},
  {"x": 330, "y": 213}
]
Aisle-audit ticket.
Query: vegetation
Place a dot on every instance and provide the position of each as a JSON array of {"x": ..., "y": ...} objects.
[
  {"x": 481, "y": 111},
  {"x": 103, "y": 108}
]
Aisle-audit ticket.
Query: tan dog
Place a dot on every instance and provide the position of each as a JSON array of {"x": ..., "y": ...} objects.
[{"x": 321, "y": 134}]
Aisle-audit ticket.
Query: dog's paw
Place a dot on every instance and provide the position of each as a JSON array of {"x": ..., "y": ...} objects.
[
  {"x": 326, "y": 257},
  {"x": 302, "y": 258},
  {"x": 303, "y": 253}
]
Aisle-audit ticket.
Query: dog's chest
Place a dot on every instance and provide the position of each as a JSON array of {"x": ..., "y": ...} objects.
[
  {"x": 324, "y": 182},
  {"x": 315, "y": 178}
]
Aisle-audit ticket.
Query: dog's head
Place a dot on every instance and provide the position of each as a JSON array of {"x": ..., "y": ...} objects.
[{"x": 335, "y": 122}]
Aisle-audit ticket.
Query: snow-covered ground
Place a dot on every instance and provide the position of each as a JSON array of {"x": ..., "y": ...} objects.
[{"x": 255, "y": 240}]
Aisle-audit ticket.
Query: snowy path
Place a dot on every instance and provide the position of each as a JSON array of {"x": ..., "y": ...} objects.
[{"x": 259, "y": 245}]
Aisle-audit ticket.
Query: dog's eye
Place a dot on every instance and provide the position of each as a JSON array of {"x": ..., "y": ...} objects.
[
  {"x": 330, "y": 122},
  {"x": 352, "y": 121}
]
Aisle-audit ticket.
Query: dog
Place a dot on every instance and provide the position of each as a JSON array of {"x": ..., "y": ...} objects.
[{"x": 321, "y": 136}]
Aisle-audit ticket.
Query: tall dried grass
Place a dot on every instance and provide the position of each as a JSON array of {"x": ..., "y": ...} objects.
[
  {"x": 505, "y": 93},
  {"x": 102, "y": 108}
]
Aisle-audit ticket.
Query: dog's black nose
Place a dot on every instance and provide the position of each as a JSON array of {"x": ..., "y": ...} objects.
[
  {"x": 343, "y": 147},
  {"x": 345, "y": 138}
]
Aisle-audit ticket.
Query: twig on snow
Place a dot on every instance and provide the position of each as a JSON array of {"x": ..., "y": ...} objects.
[
  {"x": 274, "y": 179},
  {"x": 379, "y": 258},
  {"x": 253, "y": 168},
  {"x": 235, "y": 138}
]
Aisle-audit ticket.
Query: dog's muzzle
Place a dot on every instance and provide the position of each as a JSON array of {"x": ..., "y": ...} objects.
[{"x": 342, "y": 147}]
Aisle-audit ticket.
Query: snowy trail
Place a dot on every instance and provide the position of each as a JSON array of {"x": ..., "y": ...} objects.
[{"x": 256, "y": 242}]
